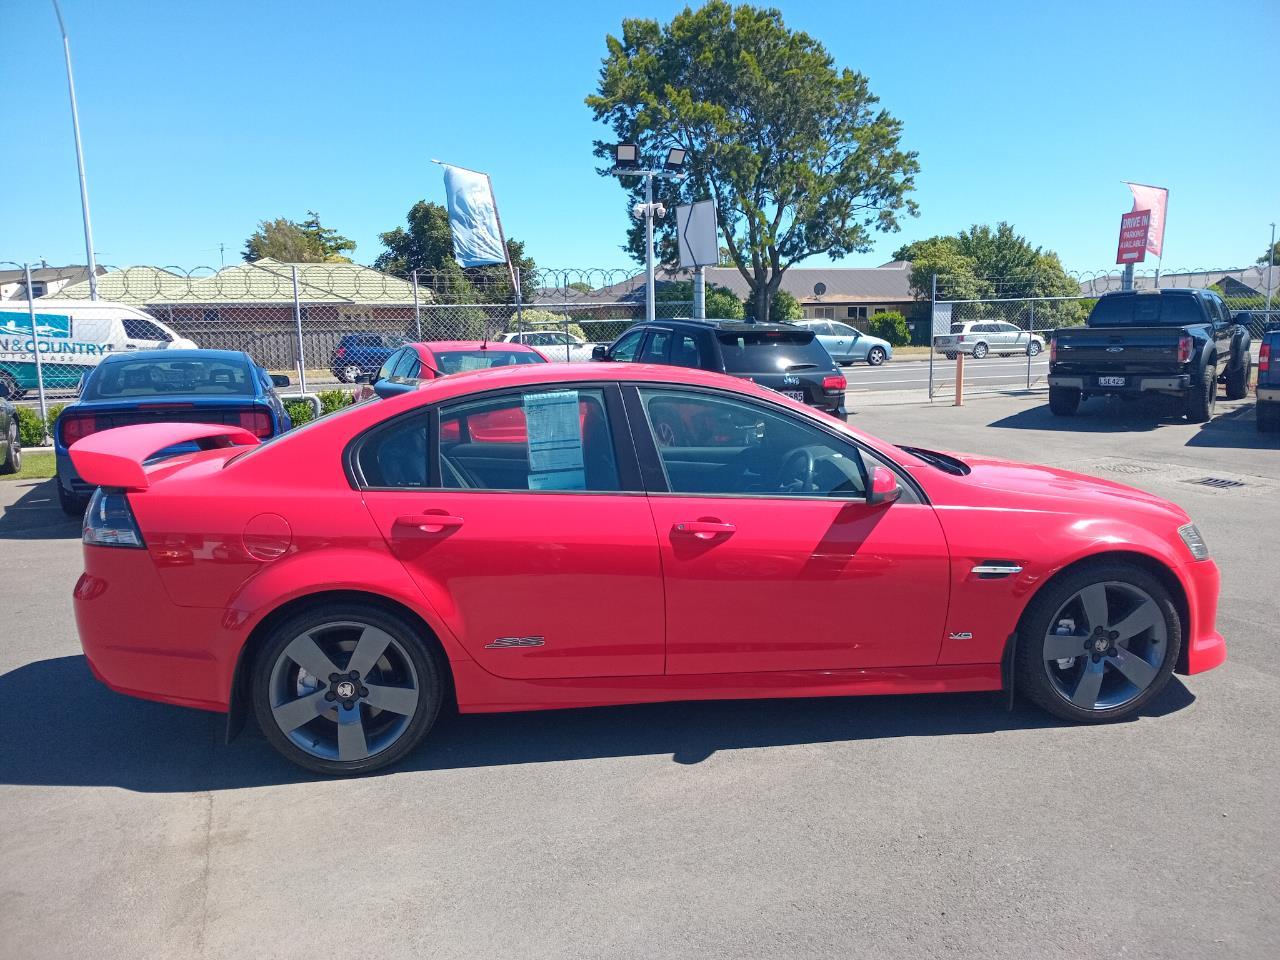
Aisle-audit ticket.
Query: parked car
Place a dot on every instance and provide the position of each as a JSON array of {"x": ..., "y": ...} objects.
[
  {"x": 415, "y": 363},
  {"x": 555, "y": 344},
  {"x": 362, "y": 354},
  {"x": 1268, "y": 410},
  {"x": 349, "y": 578},
  {"x": 977, "y": 338},
  {"x": 222, "y": 387},
  {"x": 73, "y": 336},
  {"x": 847, "y": 344},
  {"x": 1178, "y": 342},
  {"x": 10, "y": 439},
  {"x": 780, "y": 356}
]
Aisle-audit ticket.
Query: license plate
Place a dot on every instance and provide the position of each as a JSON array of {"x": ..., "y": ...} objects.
[
  {"x": 793, "y": 394},
  {"x": 1111, "y": 381}
]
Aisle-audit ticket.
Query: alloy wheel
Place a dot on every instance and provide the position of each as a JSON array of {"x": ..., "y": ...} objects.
[{"x": 1105, "y": 645}]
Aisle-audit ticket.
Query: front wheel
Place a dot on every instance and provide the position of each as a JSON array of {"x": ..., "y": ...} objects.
[
  {"x": 979, "y": 351},
  {"x": 1238, "y": 379},
  {"x": 346, "y": 688},
  {"x": 876, "y": 356},
  {"x": 1034, "y": 348},
  {"x": 9, "y": 389},
  {"x": 1098, "y": 644}
]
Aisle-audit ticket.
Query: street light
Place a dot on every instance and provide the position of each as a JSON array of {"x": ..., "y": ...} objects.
[
  {"x": 626, "y": 163},
  {"x": 84, "y": 187}
]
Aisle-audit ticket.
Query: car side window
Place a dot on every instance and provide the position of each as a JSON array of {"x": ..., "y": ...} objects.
[
  {"x": 389, "y": 365},
  {"x": 820, "y": 328},
  {"x": 537, "y": 440},
  {"x": 655, "y": 348},
  {"x": 685, "y": 352},
  {"x": 406, "y": 362},
  {"x": 843, "y": 330},
  {"x": 625, "y": 348},
  {"x": 138, "y": 329},
  {"x": 713, "y": 444},
  {"x": 395, "y": 455}
]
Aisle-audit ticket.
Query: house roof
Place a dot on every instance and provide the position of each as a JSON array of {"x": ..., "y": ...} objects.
[
  {"x": 1252, "y": 278},
  {"x": 45, "y": 274},
  {"x": 262, "y": 281},
  {"x": 888, "y": 284}
]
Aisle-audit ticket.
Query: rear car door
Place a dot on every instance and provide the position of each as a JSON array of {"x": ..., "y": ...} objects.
[
  {"x": 772, "y": 558},
  {"x": 520, "y": 516}
]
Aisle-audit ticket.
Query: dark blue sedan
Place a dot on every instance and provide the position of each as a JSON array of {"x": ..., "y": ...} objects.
[{"x": 166, "y": 386}]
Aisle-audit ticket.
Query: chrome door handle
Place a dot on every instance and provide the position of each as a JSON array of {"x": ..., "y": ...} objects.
[
  {"x": 704, "y": 529},
  {"x": 429, "y": 522}
]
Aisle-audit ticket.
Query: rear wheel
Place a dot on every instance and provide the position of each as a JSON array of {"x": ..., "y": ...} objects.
[
  {"x": 1202, "y": 396},
  {"x": 876, "y": 356},
  {"x": 1098, "y": 644},
  {"x": 71, "y": 505},
  {"x": 346, "y": 688},
  {"x": 12, "y": 451},
  {"x": 979, "y": 351},
  {"x": 1238, "y": 380},
  {"x": 9, "y": 389},
  {"x": 1064, "y": 401},
  {"x": 949, "y": 356}
]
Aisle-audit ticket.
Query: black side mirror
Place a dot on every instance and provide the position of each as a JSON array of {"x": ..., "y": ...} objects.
[
  {"x": 599, "y": 352},
  {"x": 279, "y": 380},
  {"x": 364, "y": 378}
]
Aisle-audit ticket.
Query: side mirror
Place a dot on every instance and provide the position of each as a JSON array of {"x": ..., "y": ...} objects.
[
  {"x": 884, "y": 486},
  {"x": 599, "y": 352},
  {"x": 364, "y": 378},
  {"x": 279, "y": 380}
]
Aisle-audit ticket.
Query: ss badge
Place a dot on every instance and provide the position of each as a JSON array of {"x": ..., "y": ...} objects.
[{"x": 505, "y": 643}]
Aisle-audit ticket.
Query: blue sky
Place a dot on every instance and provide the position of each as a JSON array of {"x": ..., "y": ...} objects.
[{"x": 200, "y": 121}]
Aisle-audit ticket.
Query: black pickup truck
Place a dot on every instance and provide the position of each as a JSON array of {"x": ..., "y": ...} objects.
[{"x": 1178, "y": 342}]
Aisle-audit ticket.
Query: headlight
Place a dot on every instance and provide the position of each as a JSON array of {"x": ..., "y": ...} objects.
[{"x": 1195, "y": 543}]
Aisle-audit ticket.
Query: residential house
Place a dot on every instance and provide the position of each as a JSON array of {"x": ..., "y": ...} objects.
[{"x": 45, "y": 281}]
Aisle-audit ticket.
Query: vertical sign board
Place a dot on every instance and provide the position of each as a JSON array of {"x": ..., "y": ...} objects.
[
  {"x": 1134, "y": 227},
  {"x": 697, "y": 235}
]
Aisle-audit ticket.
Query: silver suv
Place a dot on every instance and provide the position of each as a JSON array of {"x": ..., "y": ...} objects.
[{"x": 977, "y": 338}]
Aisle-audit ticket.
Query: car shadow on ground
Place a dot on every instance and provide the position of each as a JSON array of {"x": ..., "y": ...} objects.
[
  {"x": 35, "y": 515},
  {"x": 1232, "y": 426},
  {"x": 64, "y": 728}
]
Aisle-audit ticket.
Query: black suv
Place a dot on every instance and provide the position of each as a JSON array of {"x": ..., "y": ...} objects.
[{"x": 779, "y": 356}]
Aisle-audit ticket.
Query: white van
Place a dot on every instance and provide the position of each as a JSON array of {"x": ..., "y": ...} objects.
[{"x": 72, "y": 335}]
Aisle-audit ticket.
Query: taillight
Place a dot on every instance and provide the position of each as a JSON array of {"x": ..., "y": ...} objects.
[
  {"x": 109, "y": 521},
  {"x": 76, "y": 427},
  {"x": 340, "y": 352},
  {"x": 960, "y": 339},
  {"x": 1184, "y": 348},
  {"x": 257, "y": 422},
  {"x": 834, "y": 383},
  {"x": 1264, "y": 358}
]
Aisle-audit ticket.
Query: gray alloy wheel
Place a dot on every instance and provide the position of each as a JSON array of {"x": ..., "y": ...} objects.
[
  {"x": 345, "y": 689},
  {"x": 875, "y": 356},
  {"x": 349, "y": 373},
  {"x": 1034, "y": 348},
  {"x": 979, "y": 350}
]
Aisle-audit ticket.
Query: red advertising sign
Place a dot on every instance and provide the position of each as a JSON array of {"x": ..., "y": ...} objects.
[{"x": 1133, "y": 236}]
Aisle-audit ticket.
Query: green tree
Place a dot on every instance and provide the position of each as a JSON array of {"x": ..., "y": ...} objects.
[
  {"x": 982, "y": 263},
  {"x": 793, "y": 151},
  {"x": 721, "y": 302},
  {"x": 292, "y": 242},
  {"x": 1271, "y": 256},
  {"x": 427, "y": 246},
  {"x": 784, "y": 308}
]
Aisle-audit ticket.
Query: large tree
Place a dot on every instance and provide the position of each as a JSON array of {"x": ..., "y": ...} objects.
[
  {"x": 1271, "y": 256},
  {"x": 291, "y": 242},
  {"x": 792, "y": 149},
  {"x": 427, "y": 246},
  {"x": 983, "y": 263}
]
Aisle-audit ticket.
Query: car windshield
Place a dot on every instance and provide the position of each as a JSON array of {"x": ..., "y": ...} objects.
[
  {"x": 770, "y": 351},
  {"x": 1146, "y": 311},
  {"x": 145, "y": 377},
  {"x": 458, "y": 361}
]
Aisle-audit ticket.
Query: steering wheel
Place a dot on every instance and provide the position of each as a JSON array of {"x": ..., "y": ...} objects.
[{"x": 796, "y": 473}]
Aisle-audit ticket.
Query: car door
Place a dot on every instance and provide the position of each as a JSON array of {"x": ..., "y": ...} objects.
[
  {"x": 535, "y": 545},
  {"x": 625, "y": 347},
  {"x": 845, "y": 343},
  {"x": 772, "y": 564}
]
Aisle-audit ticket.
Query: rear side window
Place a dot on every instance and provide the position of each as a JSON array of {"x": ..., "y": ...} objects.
[
  {"x": 685, "y": 352},
  {"x": 771, "y": 351},
  {"x": 396, "y": 455},
  {"x": 655, "y": 348}
]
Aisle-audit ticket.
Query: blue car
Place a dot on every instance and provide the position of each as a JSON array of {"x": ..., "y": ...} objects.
[
  {"x": 848, "y": 344},
  {"x": 165, "y": 386}
]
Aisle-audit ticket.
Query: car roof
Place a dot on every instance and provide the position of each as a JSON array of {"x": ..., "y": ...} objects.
[
  {"x": 497, "y": 346},
  {"x": 1165, "y": 292},
  {"x": 732, "y": 326},
  {"x": 227, "y": 356}
]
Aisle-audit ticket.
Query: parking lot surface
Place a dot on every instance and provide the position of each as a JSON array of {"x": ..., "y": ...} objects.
[{"x": 932, "y": 826}]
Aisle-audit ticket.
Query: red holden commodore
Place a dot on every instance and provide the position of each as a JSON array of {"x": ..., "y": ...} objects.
[{"x": 563, "y": 535}]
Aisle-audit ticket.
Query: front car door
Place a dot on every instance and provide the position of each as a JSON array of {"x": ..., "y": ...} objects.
[
  {"x": 520, "y": 516},
  {"x": 772, "y": 558},
  {"x": 846, "y": 342}
]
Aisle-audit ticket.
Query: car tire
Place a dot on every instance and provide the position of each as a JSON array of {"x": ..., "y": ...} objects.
[
  {"x": 13, "y": 451},
  {"x": 1118, "y": 669},
  {"x": 875, "y": 356},
  {"x": 1238, "y": 379},
  {"x": 328, "y": 638},
  {"x": 1064, "y": 401},
  {"x": 1268, "y": 416},
  {"x": 1202, "y": 396},
  {"x": 9, "y": 389},
  {"x": 71, "y": 505},
  {"x": 979, "y": 350},
  {"x": 949, "y": 356},
  {"x": 1034, "y": 348}
]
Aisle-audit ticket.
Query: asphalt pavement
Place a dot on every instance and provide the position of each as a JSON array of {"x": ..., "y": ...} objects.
[
  {"x": 928, "y": 826},
  {"x": 914, "y": 374}
]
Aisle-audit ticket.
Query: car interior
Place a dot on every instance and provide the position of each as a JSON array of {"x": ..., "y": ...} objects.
[{"x": 152, "y": 377}]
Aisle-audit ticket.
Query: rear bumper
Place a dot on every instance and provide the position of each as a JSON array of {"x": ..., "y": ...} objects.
[
  {"x": 1134, "y": 383},
  {"x": 1269, "y": 394},
  {"x": 68, "y": 479}
]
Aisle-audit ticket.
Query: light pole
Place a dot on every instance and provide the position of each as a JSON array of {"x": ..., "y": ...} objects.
[
  {"x": 84, "y": 187},
  {"x": 626, "y": 157},
  {"x": 1271, "y": 273}
]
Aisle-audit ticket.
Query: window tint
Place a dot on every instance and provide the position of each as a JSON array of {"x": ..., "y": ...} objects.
[
  {"x": 1145, "y": 310},
  {"x": 843, "y": 330},
  {"x": 136, "y": 329},
  {"x": 541, "y": 440},
  {"x": 713, "y": 444},
  {"x": 771, "y": 351},
  {"x": 685, "y": 352},
  {"x": 150, "y": 378},
  {"x": 396, "y": 455},
  {"x": 407, "y": 359},
  {"x": 389, "y": 365},
  {"x": 655, "y": 348},
  {"x": 820, "y": 328},
  {"x": 625, "y": 348}
]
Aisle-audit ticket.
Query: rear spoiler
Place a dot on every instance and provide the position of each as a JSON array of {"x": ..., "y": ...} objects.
[{"x": 114, "y": 458}]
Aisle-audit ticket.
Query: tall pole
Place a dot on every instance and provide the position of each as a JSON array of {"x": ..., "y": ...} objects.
[
  {"x": 35, "y": 348},
  {"x": 1271, "y": 273},
  {"x": 297, "y": 319},
  {"x": 648, "y": 247},
  {"x": 699, "y": 293},
  {"x": 84, "y": 186}
]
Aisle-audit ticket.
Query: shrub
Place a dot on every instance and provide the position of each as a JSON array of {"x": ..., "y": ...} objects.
[
  {"x": 300, "y": 411},
  {"x": 891, "y": 326},
  {"x": 51, "y": 415},
  {"x": 331, "y": 400},
  {"x": 31, "y": 429}
]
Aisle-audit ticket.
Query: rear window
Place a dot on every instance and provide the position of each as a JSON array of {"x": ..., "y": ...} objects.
[
  {"x": 771, "y": 351},
  {"x": 155, "y": 378},
  {"x": 1146, "y": 311},
  {"x": 457, "y": 361}
]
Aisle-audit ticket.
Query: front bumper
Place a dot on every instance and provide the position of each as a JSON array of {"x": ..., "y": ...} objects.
[
  {"x": 1134, "y": 383},
  {"x": 1203, "y": 647}
]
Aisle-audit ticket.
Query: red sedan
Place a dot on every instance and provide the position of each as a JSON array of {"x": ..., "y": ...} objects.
[
  {"x": 414, "y": 363},
  {"x": 641, "y": 534}
]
